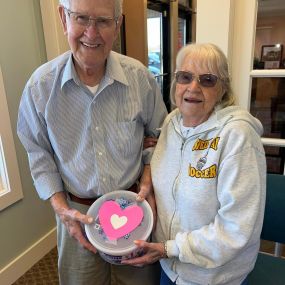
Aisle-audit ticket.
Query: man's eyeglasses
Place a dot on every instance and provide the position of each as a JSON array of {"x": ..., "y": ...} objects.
[
  {"x": 86, "y": 20},
  {"x": 205, "y": 80}
]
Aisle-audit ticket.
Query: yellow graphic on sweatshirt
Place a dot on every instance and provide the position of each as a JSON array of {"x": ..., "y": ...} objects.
[
  {"x": 204, "y": 144},
  {"x": 210, "y": 172}
]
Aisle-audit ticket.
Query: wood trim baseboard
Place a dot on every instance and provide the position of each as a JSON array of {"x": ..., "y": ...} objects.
[{"x": 22, "y": 263}]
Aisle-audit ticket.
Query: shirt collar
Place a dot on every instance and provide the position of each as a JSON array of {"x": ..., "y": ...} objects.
[
  {"x": 114, "y": 70},
  {"x": 69, "y": 72}
]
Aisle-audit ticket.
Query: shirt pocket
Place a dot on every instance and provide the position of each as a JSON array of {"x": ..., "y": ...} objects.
[{"x": 129, "y": 138}]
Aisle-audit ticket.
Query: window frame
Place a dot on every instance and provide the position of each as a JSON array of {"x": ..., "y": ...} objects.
[
  {"x": 185, "y": 13},
  {"x": 14, "y": 192},
  {"x": 164, "y": 8}
]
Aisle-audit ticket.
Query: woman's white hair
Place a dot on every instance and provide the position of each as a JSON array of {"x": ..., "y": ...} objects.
[
  {"x": 118, "y": 6},
  {"x": 212, "y": 58}
]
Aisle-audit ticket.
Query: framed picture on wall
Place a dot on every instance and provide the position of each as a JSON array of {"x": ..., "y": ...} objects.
[
  {"x": 271, "y": 64},
  {"x": 271, "y": 55}
]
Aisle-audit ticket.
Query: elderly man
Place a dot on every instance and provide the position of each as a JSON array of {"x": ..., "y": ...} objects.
[{"x": 82, "y": 120}]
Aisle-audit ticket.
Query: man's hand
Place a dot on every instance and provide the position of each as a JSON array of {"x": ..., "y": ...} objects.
[
  {"x": 149, "y": 142},
  {"x": 72, "y": 219},
  {"x": 146, "y": 191},
  {"x": 153, "y": 252}
]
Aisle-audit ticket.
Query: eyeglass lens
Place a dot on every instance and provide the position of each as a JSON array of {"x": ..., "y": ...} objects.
[
  {"x": 86, "y": 20},
  {"x": 205, "y": 80}
]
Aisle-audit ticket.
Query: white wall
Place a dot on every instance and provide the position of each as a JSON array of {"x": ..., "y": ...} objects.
[{"x": 215, "y": 23}]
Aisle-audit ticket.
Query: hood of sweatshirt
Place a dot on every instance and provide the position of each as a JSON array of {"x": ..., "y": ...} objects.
[{"x": 219, "y": 118}]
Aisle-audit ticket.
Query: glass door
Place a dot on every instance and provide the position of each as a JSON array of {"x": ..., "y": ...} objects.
[
  {"x": 267, "y": 101},
  {"x": 159, "y": 45},
  {"x": 155, "y": 44},
  {"x": 268, "y": 83}
]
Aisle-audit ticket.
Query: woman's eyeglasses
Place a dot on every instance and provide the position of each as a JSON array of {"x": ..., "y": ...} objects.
[
  {"x": 205, "y": 80},
  {"x": 86, "y": 20}
]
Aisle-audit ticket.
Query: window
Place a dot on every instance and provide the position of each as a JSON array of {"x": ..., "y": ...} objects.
[
  {"x": 10, "y": 186},
  {"x": 3, "y": 172},
  {"x": 268, "y": 82}
]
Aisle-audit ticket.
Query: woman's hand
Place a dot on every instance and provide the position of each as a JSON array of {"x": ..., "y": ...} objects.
[
  {"x": 72, "y": 219},
  {"x": 153, "y": 252}
]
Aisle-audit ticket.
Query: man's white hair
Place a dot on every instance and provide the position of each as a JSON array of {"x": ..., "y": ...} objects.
[
  {"x": 118, "y": 6},
  {"x": 65, "y": 3}
]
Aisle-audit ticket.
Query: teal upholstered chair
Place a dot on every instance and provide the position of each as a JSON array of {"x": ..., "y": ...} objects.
[{"x": 269, "y": 269}]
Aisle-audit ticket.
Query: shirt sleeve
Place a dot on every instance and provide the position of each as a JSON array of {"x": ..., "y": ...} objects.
[
  {"x": 33, "y": 133},
  {"x": 156, "y": 113}
]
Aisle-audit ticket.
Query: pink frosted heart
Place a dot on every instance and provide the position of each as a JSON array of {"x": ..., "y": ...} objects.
[{"x": 117, "y": 222}]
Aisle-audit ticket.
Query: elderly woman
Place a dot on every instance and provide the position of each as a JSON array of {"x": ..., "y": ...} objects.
[{"x": 208, "y": 172}]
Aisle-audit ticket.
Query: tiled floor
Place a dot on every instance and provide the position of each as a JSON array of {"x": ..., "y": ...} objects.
[{"x": 45, "y": 271}]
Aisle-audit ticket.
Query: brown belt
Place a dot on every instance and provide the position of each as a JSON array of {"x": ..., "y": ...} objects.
[{"x": 90, "y": 201}]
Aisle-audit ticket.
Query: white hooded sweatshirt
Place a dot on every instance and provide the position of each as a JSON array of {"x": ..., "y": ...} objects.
[{"x": 210, "y": 195}]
